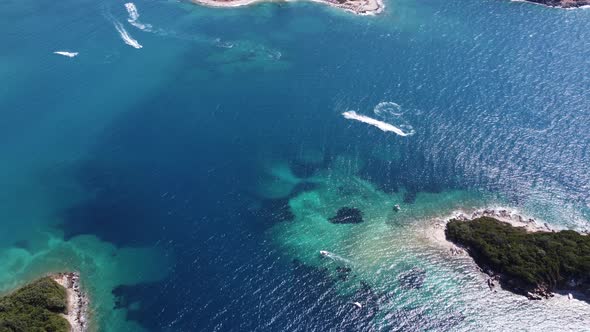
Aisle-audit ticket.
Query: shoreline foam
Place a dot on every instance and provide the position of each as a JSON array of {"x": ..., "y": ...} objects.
[{"x": 78, "y": 303}]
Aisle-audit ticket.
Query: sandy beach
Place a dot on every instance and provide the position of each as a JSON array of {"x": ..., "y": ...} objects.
[{"x": 358, "y": 7}]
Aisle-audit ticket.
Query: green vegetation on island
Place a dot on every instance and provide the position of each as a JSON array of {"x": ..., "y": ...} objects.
[
  {"x": 530, "y": 263},
  {"x": 35, "y": 307}
]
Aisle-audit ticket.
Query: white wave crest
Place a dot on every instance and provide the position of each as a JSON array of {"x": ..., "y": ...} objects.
[
  {"x": 134, "y": 17},
  {"x": 125, "y": 36},
  {"x": 65, "y": 53},
  {"x": 352, "y": 115}
]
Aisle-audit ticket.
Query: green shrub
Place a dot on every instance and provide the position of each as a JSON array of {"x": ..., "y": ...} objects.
[
  {"x": 551, "y": 259},
  {"x": 35, "y": 308}
]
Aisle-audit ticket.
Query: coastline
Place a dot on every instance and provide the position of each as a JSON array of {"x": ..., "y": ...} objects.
[
  {"x": 435, "y": 231},
  {"x": 435, "y": 234},
  {"x": 564, "y": 4},
  {"x": 357, "y": 7},
  {"x": 78, "y": 303}
]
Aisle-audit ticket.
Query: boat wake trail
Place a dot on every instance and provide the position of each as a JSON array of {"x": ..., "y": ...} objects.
[
  {"x": 388, "y": 113},
  {"x": 65, "y": 53},
  {"x": 134, "y": 17},
  {"x": 125, "y": 35},
  {"x": 334, "y": 257},
  {"x": 352, "y": 115}
]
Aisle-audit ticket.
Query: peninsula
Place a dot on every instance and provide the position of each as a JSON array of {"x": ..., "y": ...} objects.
[
  {"x": 358, "y": 7},
  {"x": 561, "y": 3},
  {"x": 531, "y": 263},
  {"x": 52, "y": 303}
]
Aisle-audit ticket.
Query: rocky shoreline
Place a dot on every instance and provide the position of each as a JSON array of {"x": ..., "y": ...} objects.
[
  {"x": 436, "y": 235},
  {"x": 358, "y": 7},
  {"x": 567, "y": 4},
  {"x": 436, "y": 232},
  {"x": 506, "y": 215},
  {"x": 509, "y": 253},
  {"x": 78, "y": 302}
]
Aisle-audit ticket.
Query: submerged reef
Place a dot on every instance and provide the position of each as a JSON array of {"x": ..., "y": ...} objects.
[
  {"x": 412, "y": 279},
  {"x": 347, "y": 215},
  {"x": 35, "y": 307},
  {"x": 534, "y": 264}
]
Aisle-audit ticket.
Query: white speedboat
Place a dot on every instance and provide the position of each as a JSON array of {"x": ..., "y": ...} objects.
[{"x": 324, "y": 253}]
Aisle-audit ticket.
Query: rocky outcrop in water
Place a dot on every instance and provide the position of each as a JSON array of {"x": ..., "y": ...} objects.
[
  {"x": 347, "y": 215},
  {"x": 412, "y": 279}
]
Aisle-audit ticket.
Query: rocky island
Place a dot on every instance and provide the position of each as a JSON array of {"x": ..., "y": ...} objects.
[
  {"x": 562, "y": 3},
  {"x": 359, "y": 7},
  {"x": 53, "y": 303},
  {"x": 531, "y": 263}
]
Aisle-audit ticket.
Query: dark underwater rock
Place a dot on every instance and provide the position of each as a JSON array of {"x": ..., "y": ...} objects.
[
  {"x": 347, "y": 215},
  {"x": 410, "y": 197},
  {"x": 343, "y": 272},
  {"x": 412, "y": 279},
  {"x": 275, "y": 210}
]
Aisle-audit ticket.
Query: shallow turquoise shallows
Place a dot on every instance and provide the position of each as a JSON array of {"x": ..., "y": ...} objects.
[{"x": 187, "y": 160}]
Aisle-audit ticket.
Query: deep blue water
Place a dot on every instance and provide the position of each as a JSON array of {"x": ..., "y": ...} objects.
[{"x": 169, "y": 146}]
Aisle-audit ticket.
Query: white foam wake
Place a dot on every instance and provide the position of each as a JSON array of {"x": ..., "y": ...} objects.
[
  {"x": 134, "y": 17},
  {"x": 335, "y": 257},
  {"x": 68, "y": 54},
  {"x": 352, "y": 115},
  {"x": 132, "y": 10},
  {"x": 125, "y": 36}
]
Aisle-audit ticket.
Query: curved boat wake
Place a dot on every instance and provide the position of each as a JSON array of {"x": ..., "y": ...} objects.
[{"x": 134, "y": 17}]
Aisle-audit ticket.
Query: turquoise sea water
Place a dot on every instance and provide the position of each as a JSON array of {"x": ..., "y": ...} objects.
[{"x": 191, "y": 180}]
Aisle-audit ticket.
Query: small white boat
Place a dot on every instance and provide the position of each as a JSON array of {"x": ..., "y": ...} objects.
[
  {"x": 570, "y": 296},
  {"x": 324, "y": 253},
  {"x": 357, "y": 304}
]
